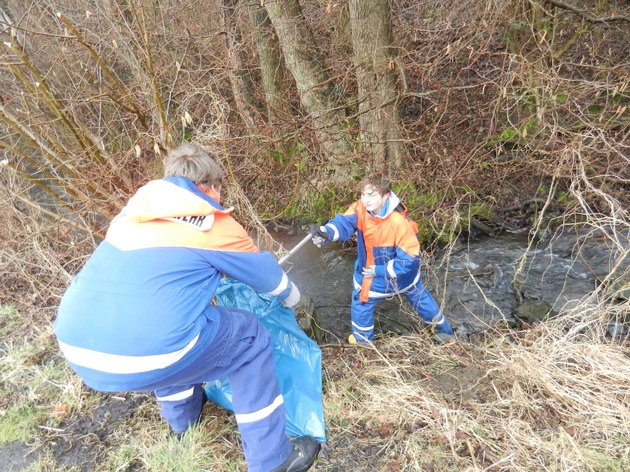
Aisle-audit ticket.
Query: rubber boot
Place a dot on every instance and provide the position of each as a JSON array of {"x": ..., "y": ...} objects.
[{"x": 302, "y": 457}]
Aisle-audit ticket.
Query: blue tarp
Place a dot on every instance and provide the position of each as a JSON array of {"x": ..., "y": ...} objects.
[{"x": 298, "y": 360}]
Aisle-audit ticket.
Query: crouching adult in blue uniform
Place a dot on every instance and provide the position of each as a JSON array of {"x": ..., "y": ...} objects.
[
  {"x": 137, "y": 317},
  {"x": 388, "y": 258}
]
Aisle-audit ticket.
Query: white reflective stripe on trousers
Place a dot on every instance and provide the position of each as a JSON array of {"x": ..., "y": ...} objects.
[
  {"x": 260, "y": 414},
  {"x": 177, "y": 396}
]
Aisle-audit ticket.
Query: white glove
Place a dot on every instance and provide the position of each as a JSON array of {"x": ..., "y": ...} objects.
[
  {"x": 369, "y": 271},
  {"x": 293, "y": 298},
  {"x": 320, "y": 236}
]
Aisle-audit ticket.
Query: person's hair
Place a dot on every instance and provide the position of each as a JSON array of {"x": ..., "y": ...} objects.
[
  {"x": 194, "y": 163},
  {"x": 380, "y": 183}
]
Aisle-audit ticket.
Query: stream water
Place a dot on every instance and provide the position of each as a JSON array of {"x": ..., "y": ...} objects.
[{"x": 478, "y": 283}]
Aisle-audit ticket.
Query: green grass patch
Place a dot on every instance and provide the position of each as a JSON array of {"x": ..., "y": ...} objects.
[
  {"x": 19, "y": 422},
  {"x": 38, "y": 386},
  {"x": 8, "y": 317},
  {"x": 208, "y": 446}
]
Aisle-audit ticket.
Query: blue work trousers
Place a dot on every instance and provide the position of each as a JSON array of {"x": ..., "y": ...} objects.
[
  {"x": 362, "y": 313},
  {"x": 241, "y": 351}
]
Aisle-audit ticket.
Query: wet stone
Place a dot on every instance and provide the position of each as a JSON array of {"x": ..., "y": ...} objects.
[
  {"x": 617, "y": 289},
  {"x": 533, "y": 311}
]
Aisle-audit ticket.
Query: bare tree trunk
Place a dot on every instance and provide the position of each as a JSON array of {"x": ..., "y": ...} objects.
[
  {"x": 272, "y": 67},
  {"x": 315, "y": 86},
  {"x": 240, "y": 77},
  {"x": 374, "y": 55}
]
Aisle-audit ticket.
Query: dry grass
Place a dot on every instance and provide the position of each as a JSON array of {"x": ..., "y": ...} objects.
[{"x": 543, "y": 400}]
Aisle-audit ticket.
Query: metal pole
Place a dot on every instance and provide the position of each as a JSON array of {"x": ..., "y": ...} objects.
[{"x": 306, "y": 239}]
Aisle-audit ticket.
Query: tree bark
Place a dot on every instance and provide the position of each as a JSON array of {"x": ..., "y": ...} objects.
[
  {"x": 272, "y": 67},
  {"x": 374, "y": 56},
  {"x": 315, "y": 86},
  {"x": 241, "y": 81}
]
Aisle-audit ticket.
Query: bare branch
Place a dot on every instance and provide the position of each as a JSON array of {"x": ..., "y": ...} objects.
[{"x": 588, "y": 16}]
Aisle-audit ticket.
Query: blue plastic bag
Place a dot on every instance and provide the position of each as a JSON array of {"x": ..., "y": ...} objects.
[{"x": 298, "y": 360}]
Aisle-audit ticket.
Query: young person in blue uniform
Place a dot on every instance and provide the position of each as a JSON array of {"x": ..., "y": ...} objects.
[
  {"x": 137, "y": 317},
  {"x": 388, "y": 261}
]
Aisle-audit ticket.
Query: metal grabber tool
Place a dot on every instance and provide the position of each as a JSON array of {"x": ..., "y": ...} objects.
[{"x": 296, "y": 248}]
